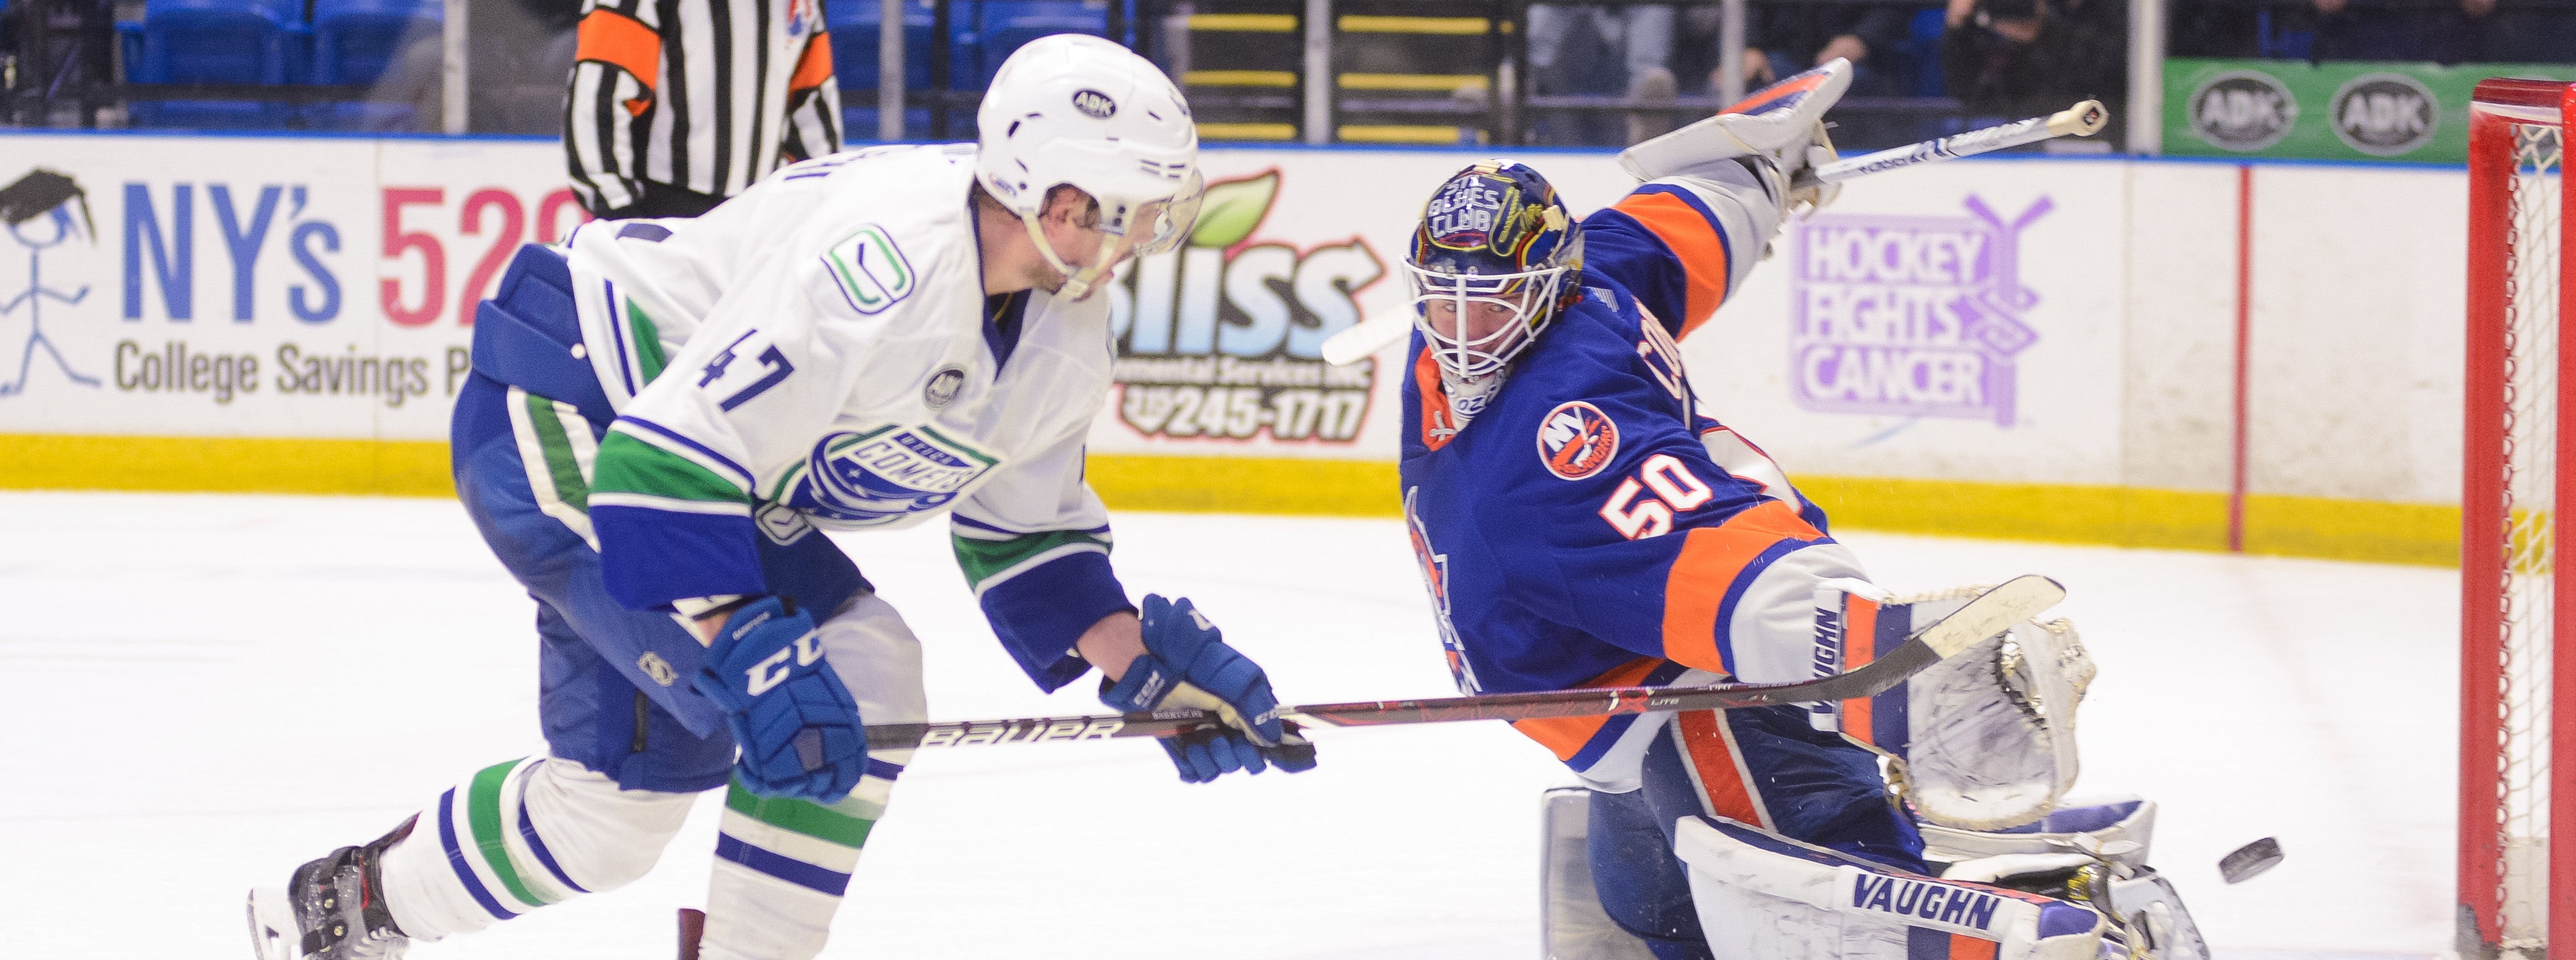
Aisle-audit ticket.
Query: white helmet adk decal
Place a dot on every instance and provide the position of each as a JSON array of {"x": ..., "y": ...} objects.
[{"x": 1074, "y": 109}]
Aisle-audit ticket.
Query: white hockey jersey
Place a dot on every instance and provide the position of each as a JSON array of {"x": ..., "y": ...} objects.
[{"x": 820, "y": 351}]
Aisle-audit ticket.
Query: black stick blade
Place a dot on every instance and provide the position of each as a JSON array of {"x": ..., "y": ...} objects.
[{"x": 2250, "y": 860}]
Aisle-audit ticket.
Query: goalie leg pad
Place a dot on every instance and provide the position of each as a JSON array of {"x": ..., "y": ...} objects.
[
  {"x": 1765, "y": 765},
  {"x": 2114, "y": 832},
  {"x": 1572, "y": 923},
  {"x": 1763, "y": 896}
]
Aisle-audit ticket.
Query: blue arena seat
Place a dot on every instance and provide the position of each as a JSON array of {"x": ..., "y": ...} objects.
[
  {"x": 1003, "y": 26},
  {"x": 354, "y": 41},
  {"x": 853, "y": 24},
  {"x": 212, "y": 41},
  {"x": 359, "y": 42},
  {"x": 1922, "y": 47}
]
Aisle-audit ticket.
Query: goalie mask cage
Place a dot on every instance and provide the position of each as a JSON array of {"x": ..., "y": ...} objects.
[{"x": 2513, "y": 609}]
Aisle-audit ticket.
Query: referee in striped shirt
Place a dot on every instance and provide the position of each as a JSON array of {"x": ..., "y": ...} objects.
[{"x": 678, "y": 104}]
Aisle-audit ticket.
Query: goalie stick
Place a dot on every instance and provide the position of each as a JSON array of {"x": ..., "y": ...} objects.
[
  {"x": 1992, "y": 612},
  {"x": 2084, "y": 119}
]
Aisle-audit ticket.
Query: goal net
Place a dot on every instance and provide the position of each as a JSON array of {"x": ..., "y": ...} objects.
[{"x": 2511, "y": 540}]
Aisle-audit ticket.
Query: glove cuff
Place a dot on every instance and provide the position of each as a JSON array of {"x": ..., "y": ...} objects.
[{"x": 1146, "y": 684}]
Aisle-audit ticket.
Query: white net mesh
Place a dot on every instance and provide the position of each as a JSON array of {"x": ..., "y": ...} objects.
[{"x": 2531, "y": 473}]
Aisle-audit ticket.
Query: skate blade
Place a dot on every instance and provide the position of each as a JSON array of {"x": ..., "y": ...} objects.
[{"x": 273, "y": 934}]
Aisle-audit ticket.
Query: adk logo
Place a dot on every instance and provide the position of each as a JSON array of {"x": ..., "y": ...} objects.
[
  {"x": 1224, "y": 337},
  {"x": 2384, "y": 114},
  {"x": 1910, "y": 316},
  {"x": 2243, "y": 110},
  {"x": 38, "y": 211}
]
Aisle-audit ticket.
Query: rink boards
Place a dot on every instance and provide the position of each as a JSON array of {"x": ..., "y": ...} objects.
[{"x": 2037, "y": 348}]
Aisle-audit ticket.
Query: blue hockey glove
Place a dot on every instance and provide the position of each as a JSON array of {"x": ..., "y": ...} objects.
[
  {"x": 1187, "y": 664},
  {"x": 797, "y": 725}
]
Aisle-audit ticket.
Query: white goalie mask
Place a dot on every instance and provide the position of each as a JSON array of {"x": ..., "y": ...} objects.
[
  {"x": 1077, "y": 110},
  {"x": 1488, "y": 265}
]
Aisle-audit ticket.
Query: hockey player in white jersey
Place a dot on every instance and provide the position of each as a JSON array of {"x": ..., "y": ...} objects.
[{"x": 662, "y": 414}]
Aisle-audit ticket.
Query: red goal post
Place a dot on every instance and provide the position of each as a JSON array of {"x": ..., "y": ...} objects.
[{"x": 2513, "y": 610}]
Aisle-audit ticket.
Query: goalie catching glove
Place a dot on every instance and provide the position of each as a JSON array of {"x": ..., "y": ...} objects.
[
  {"x": 1187, "y": 664},
  {"x": 795, "y": 721},
  {"x": 1778, "y": 132}
]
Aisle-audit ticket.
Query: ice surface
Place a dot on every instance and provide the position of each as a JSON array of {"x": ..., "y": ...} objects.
[{"x": 203, "y": 691}]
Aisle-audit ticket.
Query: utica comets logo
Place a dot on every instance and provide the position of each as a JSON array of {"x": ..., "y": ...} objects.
[
  {"x": 883, "y": 476},
  {"x": 1576, "y": 440}
]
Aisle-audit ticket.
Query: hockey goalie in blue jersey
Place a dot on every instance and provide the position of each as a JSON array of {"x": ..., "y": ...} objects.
[{"x": 1581, "y": 522}]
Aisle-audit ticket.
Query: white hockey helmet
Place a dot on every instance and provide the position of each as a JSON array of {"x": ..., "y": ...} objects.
[{"x": 1076, "y": 110}]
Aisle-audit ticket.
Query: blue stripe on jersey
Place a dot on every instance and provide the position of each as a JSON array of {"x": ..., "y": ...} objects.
[
  {"x": 744, "y": 477},
  {"x": 651, "y": 557},
  {"x": 1891, "y": 726},
  {"x": 456, "y": 857},
  {"x": 786, "y": 868},
  {"x": 1925, "y": 943},
  {"x": 617, "y": 334},
  {"x": 1042, "y": 611}
]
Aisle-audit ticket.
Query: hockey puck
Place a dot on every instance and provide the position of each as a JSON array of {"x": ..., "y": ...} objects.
[{"x": 2250, "y": 860}]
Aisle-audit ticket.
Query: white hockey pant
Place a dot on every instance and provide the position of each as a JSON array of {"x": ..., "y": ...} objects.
[{"x": 540, "y": 830}]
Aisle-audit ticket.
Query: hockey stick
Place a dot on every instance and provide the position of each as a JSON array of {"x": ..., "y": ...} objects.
[
  {"x": 2082, "y": 120},
  {"x": 1992, "y": 612}
]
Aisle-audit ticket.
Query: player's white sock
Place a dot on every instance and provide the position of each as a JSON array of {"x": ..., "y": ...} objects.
[
  {"x": 521, "y": 835},
  {"x": 782, "y": 865}
]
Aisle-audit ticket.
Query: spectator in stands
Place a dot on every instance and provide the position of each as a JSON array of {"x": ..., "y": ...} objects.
[
  {"x": 2383, "y": 31},
  {"x": 1639, "y": 36},
  {"x": 518, "y": 55},
  {"x": 2029, "y": 57},
  {"x": 2521, "y": 32},
  {"x": 1782, "y": 39},
  {"x": 666, "y": 120}
]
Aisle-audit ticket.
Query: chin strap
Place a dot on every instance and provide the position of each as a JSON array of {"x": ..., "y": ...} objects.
[{"x": 1077, "y": 282}]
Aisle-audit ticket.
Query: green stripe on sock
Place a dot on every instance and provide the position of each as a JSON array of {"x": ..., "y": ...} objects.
[
  {"x": 810, "y": 819},
  {"x": 560, "y": 463},
  {"x": 483, "y": 814},
  {"x": 983, "y": 559},
  {"x": 648, "y": 341},
  {"x": 630, "y": 465}
]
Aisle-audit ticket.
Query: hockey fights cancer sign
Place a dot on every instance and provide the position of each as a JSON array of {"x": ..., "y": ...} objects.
[
  {"x": 1223, "y": 338},
  {"x": 1917, "y": 316}
]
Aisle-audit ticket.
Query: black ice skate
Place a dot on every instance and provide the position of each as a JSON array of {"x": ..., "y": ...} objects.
[{"x": 331, "y": 909}]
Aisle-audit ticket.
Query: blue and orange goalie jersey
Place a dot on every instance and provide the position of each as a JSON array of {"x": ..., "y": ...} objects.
[{"x": 1590, "y": 526}]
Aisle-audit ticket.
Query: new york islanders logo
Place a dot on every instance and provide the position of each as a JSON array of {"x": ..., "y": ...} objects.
[{"x": 1576, "y": 440}]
